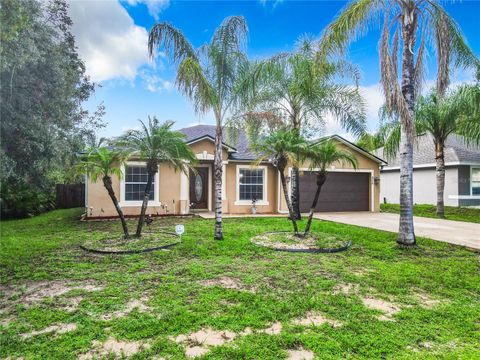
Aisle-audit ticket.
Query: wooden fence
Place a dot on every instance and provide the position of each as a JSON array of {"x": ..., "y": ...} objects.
[{"x": 70, "y": 196}]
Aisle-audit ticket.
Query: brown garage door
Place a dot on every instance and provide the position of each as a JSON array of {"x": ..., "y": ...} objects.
[{"x": 342, "y": 191}]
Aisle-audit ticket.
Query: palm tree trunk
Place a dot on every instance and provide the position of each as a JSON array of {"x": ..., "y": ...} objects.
[
  {"x": 146, "y": 195},
  {"x": 218, "y": 169},
  {"x": 107, "y": 182},
  {"x": 321, "y": 177},
  {"x": 440, "y": 169},
  {"x": 296, "y": 193},
  {"x": 406, "y": 234},
  {"x": 287, "y": 199}
]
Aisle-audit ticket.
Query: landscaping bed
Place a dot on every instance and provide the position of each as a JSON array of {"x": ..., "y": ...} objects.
[
  {"x": 149, "y": 241},
  {"x": 313, "y": 242}
]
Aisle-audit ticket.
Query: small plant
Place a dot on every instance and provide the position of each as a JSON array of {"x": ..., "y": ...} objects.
[{"x": 254, "y": 207}]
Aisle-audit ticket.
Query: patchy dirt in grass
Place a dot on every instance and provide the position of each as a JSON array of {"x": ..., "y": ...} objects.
[
  {"x": 117, "y": 347},
  {"x": 227, "y": 282},
  {"x": 388, "y": 308},
  {"x": 33, "y": 292},
  {"x": 138, "y": 304},
  {"x": 315, "y": 319},
  {"x": 195, "y": 351},
  {"x": 274, "y": 329},
  {"x": 69, "y": 304},
  {"x": 6, "y": 321},
  {"x": 300, "y": 354},
  {"x": 199, "y": 342},
  {"x": 360, "y": 271},
  {"x": 426, "y": 301},
  {"x": 347, "y": 289},
  {"x": 56, "y": 329}
]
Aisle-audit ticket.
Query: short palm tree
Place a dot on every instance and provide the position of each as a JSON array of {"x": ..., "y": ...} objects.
[
  {"x": 282, "y": 147},
  {"x": 207, "y": 76},
  {"x": 457, "y": 112},
  {"x": 320, "y": 157},
  {"x": 157, "y": 143},
  {"x": 103, "y": 162},
  {"x": 305, "y": 92},
  {"x": 407, "y": 25}
]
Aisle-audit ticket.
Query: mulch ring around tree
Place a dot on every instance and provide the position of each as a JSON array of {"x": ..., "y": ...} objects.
[
  {"x": 149, "y": 241},
  {"x": 317, "y": 242}
]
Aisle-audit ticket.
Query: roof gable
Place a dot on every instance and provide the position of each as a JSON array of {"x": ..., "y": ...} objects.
[{"x": 352, "y": 146}]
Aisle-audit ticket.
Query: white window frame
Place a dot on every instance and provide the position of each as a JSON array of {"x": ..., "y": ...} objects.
[
  {"x": 156, "y": 188},
  {"x": 471, "y": 179},
  {"x": 265, "y": 182}
]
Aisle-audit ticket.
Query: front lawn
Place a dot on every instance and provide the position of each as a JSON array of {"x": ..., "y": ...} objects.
[
  {"x": 231, "y": 299},
  {"x": 451, "y": 212}
]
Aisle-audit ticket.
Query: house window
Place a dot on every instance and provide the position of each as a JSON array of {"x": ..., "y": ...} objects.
[
  {"x": 135, "y": 182},
  {"x": 475, "y": 180},
  {"x": 251, "y": 184}
]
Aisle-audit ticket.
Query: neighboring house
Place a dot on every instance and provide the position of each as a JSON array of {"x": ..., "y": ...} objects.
[
  {"x": 462, "y": 173},
  {"x": 173, "y": 192}
]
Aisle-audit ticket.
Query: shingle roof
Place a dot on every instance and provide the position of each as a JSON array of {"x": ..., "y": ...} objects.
[
  {"x": 456, "y": 151},
  {"x": 240, "y": 145}
]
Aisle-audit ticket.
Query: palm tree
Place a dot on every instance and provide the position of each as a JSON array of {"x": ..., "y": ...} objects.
[
  {"x": 103, "y": 162},
  {"x": 282, "y": 147},
  {"x": 457, "y": 112},
  {"x": 157, "y": 143},
  {"x": 301, "y": 90},
  {"x": 320, "y": 156},
  {"x": 207, "y": 76},
  {"x": 406, "y": 20},
  {"x": 370, "y": 142}
]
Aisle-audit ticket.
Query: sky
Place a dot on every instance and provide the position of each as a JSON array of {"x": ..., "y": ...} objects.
[{"x": 111, "y": 37}]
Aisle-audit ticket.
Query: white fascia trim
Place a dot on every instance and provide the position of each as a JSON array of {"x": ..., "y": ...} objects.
[
  {"x": 237, "y": 186},
  {"x": 372, "y": 182},
  {"x": 464, "y": 197},
  {"x": 206, "y": 137},
  {"x": 156, "y": 190},
  {"x": 431, "y": 165}
]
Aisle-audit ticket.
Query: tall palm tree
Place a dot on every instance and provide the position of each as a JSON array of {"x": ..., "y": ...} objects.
[
  {"x": 404, "y": 22},
  {"x": 157, "y": 143},
  {"x": 207, "y": 76},
  {"x": 320, "y": 156},
  {"x": 282, "y": 147},
  {"x": 103, "y": 162},
  {"x": 304, "y": 91},
  {"x": 457, "y": 112}
]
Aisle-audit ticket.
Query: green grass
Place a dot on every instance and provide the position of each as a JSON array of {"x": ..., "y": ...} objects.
[
  {"x": 287, "y": 286},
  {"x": 451, "y": 212}
]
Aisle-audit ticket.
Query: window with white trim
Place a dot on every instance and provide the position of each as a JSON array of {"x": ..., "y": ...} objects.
[
  {"x": 135, "y": 182},
  {"x": 475, "y": 181},
  {"x": 251, "y": 184}
]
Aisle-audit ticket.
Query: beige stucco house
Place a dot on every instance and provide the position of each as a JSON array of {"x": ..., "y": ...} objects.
[{"x": 346, "y": 189}]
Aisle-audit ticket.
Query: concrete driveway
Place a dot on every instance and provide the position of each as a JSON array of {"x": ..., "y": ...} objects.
[{"x": 453, "y": 232}]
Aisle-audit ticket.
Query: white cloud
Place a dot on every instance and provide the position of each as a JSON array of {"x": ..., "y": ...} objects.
[
  {"x": 374, "y": 99},
  {"x": 154, "y": 7},
  {"x": 108, "y": 40},
  {"x": 155, "y": 83},
  {"x": 274, "y": 3}
]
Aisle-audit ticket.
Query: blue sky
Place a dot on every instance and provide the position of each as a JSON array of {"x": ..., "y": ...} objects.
[{"x": 111, "y": 37}]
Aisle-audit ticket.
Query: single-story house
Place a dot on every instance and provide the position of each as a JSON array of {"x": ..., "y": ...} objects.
[
  {"x": 462, "y": 173},
  {"x": 173, "y": 192}
]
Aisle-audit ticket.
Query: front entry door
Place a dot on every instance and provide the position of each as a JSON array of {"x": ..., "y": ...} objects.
[{"x": 199, "y": 188}]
